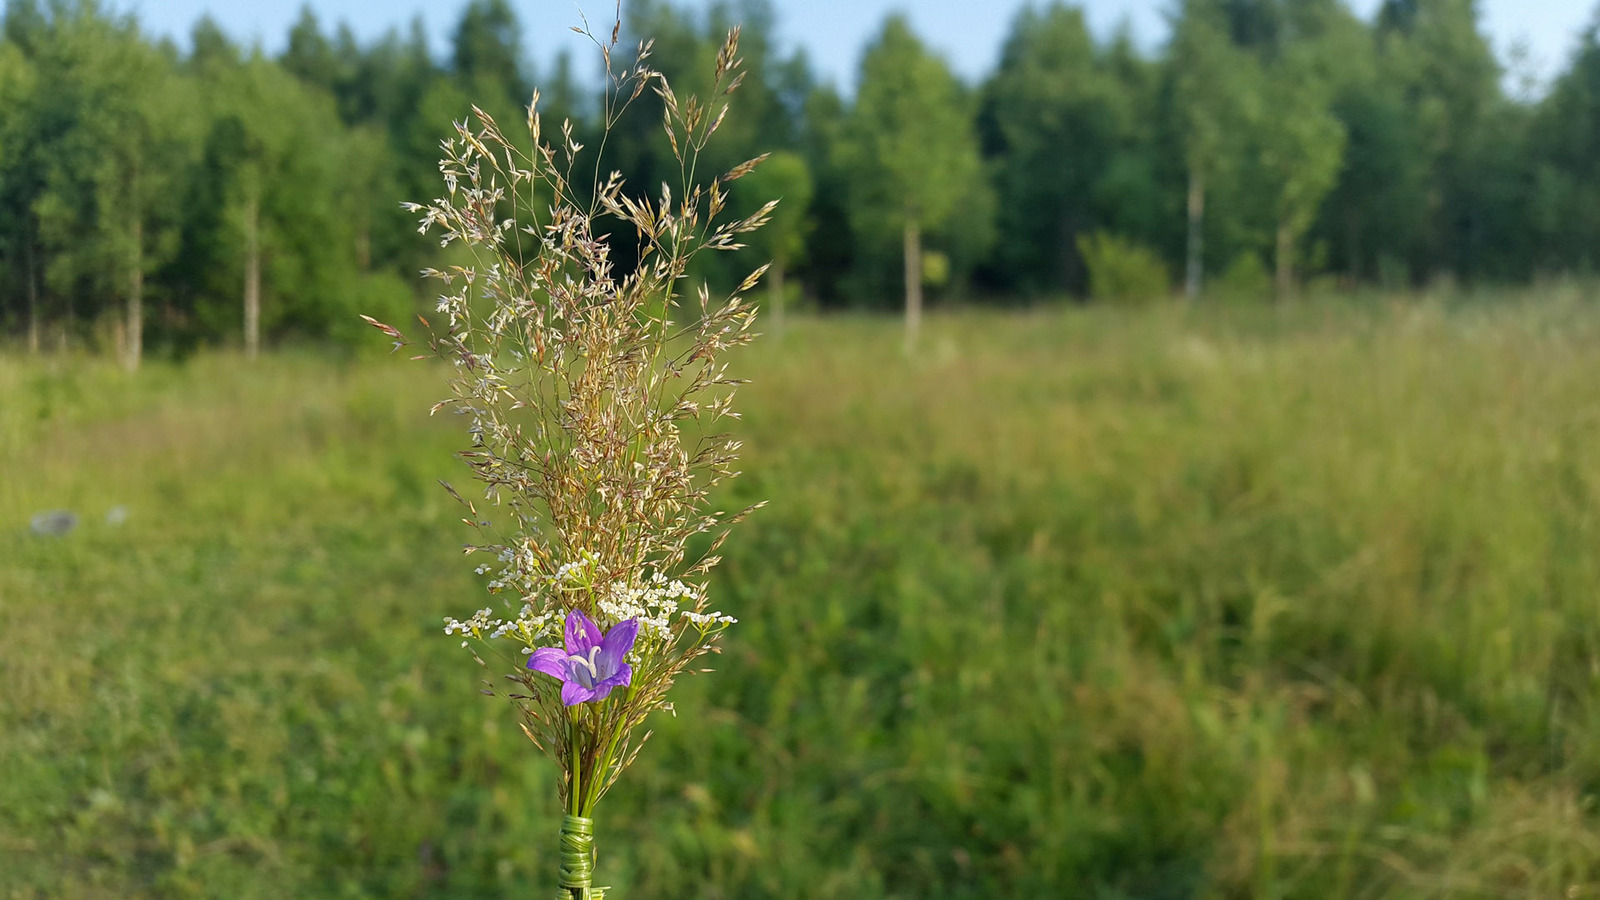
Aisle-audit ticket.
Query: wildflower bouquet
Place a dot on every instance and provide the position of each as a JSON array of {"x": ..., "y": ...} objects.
[{"x": 594, "y": 423}]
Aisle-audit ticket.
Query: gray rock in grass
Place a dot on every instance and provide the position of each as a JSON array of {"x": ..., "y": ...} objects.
[{"x": 54, "y": 523}]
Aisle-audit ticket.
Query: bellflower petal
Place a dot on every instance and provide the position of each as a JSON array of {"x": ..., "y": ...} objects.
[
  {"x": 573, "y": 693},
  {"x": 550, "y": 661},
  {"x": 622, "y": 678},
  {"x": 581, "y": 634},
  {"x": 614, "y": 648}
]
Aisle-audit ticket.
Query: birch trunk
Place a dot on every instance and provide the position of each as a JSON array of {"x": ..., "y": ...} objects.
[
  {"x": 1283, "y": 285},
  {"x": 252, "y": 280},
  {"x": 64, "y": 326},
  {"x": 33, "y": 299},
  {"x": 1194, "y": 269},
  {"x": 1353, "y": 239},
  {"x": 135, "y": 348},
  {"x": 913, "y": 239}
]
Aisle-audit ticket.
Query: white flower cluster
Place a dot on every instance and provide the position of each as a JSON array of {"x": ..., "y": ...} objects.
[
  {"x": 652, "y": 604},
  {"x": 708, "y": 620},
  {"x": 480, "y": 622},
  {"x": 530, "y": 626},
  {"x": 574, "y": 572},
  {"x": 519, "y": 572},
  {"x": 475, "y": 626}
]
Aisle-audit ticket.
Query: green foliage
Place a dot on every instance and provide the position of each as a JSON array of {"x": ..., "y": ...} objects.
[
  {"x": 1165, "y": 602},
  {"x": 909, "y": 141},
  {"x": 1378, "y": 208},
  {"x": 18, "y": 158},
  {"x": 1435, "y": 51},
  {"x": 1062, "y": 126},
  {"x": 278, "y": 166},
  {"x": 1214, "y": 88},
  {"x": 1301, "y": 146},
  {"x": 785, "y": 177},
  {"x": 109, "y": 127},
  {"x": 1565, "y": 208},
  {"x": 312, "y": 58},
  {"x": 17, "y": 84},
  {"x": 1121, "y": 270},
  {"x": 488, "y": 52},
  {"x": 1377, "y": 151}
]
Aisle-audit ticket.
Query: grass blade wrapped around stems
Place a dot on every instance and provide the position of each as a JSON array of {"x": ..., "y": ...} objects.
[{"x": 595, "y": 398}]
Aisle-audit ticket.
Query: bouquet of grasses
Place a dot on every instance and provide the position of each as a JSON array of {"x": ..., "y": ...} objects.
[{"x": 594, "y": 395}]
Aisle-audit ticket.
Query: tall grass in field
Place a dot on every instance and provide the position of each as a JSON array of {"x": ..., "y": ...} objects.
[{"x": 1115, "y": 604}]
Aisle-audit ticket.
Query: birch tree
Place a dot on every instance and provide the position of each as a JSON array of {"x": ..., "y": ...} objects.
[
  {"x": 910, "y": 148},
  {"x": 1212, "y": 92},
  {"x": 1301, "y": 147}
]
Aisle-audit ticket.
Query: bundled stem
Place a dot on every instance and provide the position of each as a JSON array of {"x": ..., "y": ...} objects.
[{"x": 577, "y": 860}]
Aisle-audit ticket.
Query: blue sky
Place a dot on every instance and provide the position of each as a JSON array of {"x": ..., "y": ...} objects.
[{"x": 967, "y": 32}]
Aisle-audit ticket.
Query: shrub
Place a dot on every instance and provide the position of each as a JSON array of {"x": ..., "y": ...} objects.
[
  {"x": 935, "y": 269},
  {"x": 1245, "y": 280},
  {"x": 1122, "y": 270}
]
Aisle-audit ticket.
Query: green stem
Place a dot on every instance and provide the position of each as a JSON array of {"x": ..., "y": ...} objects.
[
  {"x": 575, "y": 789},
  {"x": 603, "y": 767}
]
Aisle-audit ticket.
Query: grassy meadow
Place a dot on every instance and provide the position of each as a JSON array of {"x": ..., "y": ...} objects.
[{"x": 1296, "y": 603}]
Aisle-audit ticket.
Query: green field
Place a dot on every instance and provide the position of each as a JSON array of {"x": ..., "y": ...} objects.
[{"x": 1080, "y": 603}]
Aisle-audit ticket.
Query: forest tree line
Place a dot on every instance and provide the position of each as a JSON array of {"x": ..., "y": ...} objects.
[{"x": 152, "y": 196}]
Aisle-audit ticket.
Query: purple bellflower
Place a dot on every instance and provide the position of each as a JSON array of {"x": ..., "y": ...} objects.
[{"x": 591, "y": 665}]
